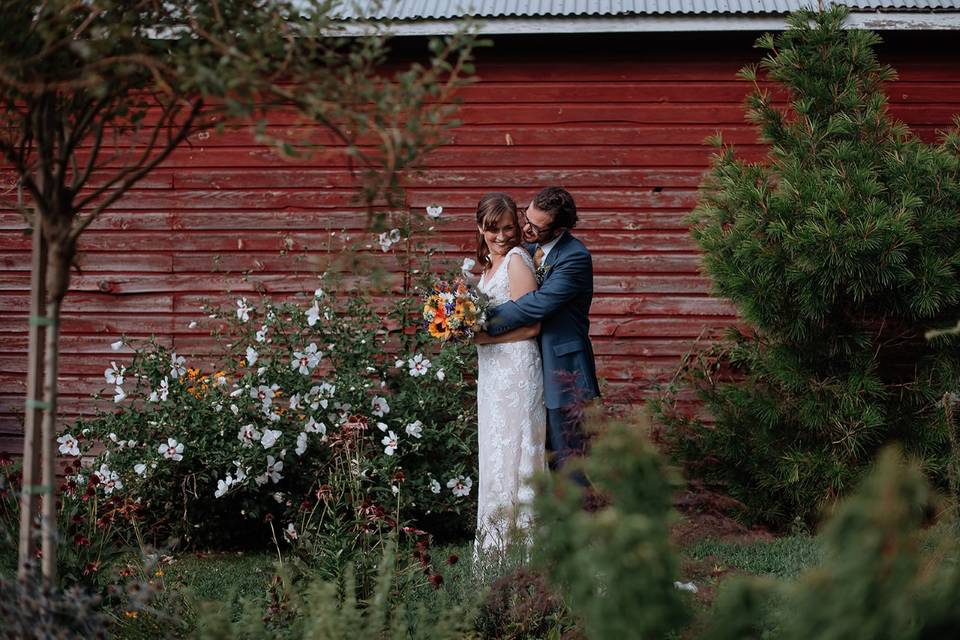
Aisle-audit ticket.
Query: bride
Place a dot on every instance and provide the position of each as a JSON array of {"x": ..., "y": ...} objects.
[{"x": 510, "y": 408}]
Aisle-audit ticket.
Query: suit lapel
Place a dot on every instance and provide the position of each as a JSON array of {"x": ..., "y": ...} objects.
[{"x": 554, "y": 254}]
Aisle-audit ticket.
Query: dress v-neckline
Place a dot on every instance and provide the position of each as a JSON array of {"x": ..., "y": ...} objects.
[{"x": 493, "y": 272}]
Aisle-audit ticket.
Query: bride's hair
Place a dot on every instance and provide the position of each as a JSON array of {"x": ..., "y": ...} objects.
[{"x": 491, "y": 208}]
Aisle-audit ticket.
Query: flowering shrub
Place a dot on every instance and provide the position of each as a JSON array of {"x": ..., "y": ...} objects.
[
  {"x": 318, "y": 410},
  {"x": 93, "y": 523}
]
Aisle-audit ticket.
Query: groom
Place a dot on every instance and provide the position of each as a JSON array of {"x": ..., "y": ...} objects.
[{"x": 561, "y": 305}]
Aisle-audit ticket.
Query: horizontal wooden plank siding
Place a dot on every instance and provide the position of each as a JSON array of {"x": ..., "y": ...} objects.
[{"x": 621, "y": 125}]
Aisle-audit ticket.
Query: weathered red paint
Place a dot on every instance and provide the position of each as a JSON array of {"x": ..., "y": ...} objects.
[{"x": 621, "y": 127}]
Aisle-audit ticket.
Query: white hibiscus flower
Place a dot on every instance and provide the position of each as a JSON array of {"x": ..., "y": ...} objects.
[
  {"x": 252, "y": 356},
  {"x": 313, "y": 314},
  {"x": 418, "y": 365},
  {"x": 434, "y": 485},
  {"x": 114, "y": 374},
  {"x": 177, "y": 367},
  {"x": 119, "y": 395},
  {"x": 460, "y": 486},
  {"x": 69, "y": 446},
  {"x": 313, "y": 426},
  {"x": 390, "y": 443},
  {"x": 270, "y": 437},
  {"x": 161, "y": 393},
  {"x": 305, "y": 361},
  {"x": 248, "y": 435},
  {"x": 171, "y": 450},
  {"x": 301, "y": 444},
  {"x": 243, "y": 310},
  {"x": 434, "y": 211},
  {"x": 414, "y": 429},
  {"x": 380, "y": 406}
]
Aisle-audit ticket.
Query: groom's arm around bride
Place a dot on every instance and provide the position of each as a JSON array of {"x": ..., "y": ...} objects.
[{"x": 562, "y": 306}]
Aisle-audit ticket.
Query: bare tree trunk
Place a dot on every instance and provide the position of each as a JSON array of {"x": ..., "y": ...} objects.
[
  {"x": 30, "y": 498},
  {"x": 59, "y": 258},
  {"x": 51, "y": 370}
]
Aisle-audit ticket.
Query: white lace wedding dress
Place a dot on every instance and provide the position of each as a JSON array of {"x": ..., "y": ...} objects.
[{"x": 512, "y": 422}]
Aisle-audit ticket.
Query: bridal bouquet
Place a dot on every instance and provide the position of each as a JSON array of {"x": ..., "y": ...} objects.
[{"x": 454, "y": 310}]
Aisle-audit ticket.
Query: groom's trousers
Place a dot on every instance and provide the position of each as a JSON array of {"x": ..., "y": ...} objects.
[{"x": 564, "y": 437}]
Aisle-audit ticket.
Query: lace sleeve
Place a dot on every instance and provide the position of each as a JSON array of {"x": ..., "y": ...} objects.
[{"x": 527, "y": 258}]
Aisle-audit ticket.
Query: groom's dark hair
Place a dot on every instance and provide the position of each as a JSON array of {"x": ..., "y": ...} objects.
[{"x": 558, "y": 202}]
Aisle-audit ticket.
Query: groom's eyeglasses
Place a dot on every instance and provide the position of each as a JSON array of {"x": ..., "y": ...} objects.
[{"x": 525, "y": 222}]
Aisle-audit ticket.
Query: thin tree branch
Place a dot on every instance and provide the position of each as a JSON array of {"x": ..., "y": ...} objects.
[
  {"x": 168, "y": 114},
  {"x": 185, "y": 129}
]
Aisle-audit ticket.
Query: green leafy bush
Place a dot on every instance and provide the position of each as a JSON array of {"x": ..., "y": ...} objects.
[
  {"x": 886, "y": 574},
  {"x": 839, "y": 249},
  {"x": 613, "y": 565}
]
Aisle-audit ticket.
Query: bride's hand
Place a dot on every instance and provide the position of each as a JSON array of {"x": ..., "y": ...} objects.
[{"x": 481, "y": 337}]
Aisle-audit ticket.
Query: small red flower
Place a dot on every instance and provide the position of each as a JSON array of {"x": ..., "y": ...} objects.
[
  {"x": 91, "y": 567},
  {"x": 436, "y": 580},
  {"x": 452, "y": 559},
  {"x": 80, "y": 540}
]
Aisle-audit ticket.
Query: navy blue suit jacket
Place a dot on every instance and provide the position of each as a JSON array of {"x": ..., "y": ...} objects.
[{"x": 562, "y": 306}]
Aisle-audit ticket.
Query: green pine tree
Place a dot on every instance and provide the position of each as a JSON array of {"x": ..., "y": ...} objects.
[{"x": 839, "y": 250}]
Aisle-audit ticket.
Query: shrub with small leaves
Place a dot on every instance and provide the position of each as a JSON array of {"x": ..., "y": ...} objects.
[{"x": 316, "y": 410}]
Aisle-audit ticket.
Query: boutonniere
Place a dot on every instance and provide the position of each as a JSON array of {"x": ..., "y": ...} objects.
[{"x": 541, "y": 273}]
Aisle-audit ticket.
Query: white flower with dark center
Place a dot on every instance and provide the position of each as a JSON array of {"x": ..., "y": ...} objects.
[
  {"x": 252, "y": 356},
  {"x": 171, "y": 450},
  {"x": 140, "y": 469},
  {"x": 380, "y": 406},
  {"x": 264, "y": 395},
  {"x": 248, "y": 435},
  {"x": 161, "y": 393},
  {"x": 177, "y": 367},
  {"x": 69, "y": 446},
  {"x": 270, "y": 437},
  {"x": 114, "y": 374},
  {"x": 109, "y": 480},
  {"x": 274, "y": 467},
  {"x": 434, "y": 486},
  {"x": 390, "y": 443},
  {"x": 313, "y": 426},
  {"x": 434, "y": 211},
  {"x": 290, "y": 533},
  {"x": 414, "y": 429},
  {"x": 305, "y": 361},
  {"x": 262, "y": 334},
  {"x": 418, "y": 365},
  {"x": 243, "y": 310},
  {"x": 119, "y": 395},
  {"x": 460, "y": 486},
  {"x": 301, "y": 444}
]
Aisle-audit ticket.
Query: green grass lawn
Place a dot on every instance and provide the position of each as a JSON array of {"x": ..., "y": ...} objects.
[
  {"x": 781, "y": 558},
  {"x": 193, "y": 581}
]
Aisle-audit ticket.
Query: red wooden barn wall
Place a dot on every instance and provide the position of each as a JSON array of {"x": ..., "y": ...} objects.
[{"x": 619, "y": 121}]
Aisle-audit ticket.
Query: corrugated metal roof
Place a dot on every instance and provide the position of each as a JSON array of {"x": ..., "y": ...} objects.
[{"x": 451, "y": 9}]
